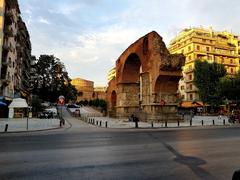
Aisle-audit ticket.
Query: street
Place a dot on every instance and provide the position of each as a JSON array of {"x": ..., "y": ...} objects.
[{"x": 83, "y": 151}]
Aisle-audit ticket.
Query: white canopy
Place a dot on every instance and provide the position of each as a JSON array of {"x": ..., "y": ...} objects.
[{"x": 18, "y": 103}]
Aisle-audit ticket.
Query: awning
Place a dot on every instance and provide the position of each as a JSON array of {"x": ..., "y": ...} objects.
[
  {"x": 191, "y": 104},
  {"x": 18, "y": 103}
]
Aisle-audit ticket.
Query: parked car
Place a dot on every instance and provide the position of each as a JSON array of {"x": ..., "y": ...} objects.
[
  {"x": 72, "y": 106},
  {"x": 45, "y": 115}
]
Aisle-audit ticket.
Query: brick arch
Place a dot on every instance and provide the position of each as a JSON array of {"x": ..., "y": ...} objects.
[
  {"x": 143, "y": 71},
  {"x": 131, "y": 69},
  {"x": 165, "y": 89}
]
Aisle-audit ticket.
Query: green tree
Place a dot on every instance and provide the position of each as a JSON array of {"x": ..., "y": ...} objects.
[
  {"x": 52, "y": 80},
  {"x": 36, "y": 105},
  {"x": 207, "y": 80},
  {"x": 230, "y": 87}
]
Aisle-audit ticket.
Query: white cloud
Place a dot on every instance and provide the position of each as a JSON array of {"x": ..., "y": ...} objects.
[
  {"x": 44, "y": 20},
  {"x": 90, "y": 47}
]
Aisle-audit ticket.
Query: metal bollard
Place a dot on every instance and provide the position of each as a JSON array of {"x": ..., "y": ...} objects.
[
  {"x": 190, "y": 122},
  {"x": 100, "y": 123},
  {"x": 224, "y": 122},
  {"x": 6, "y": 128},
  {"x": 106, "y": 124},
  {"x": 60, "y": 123},
  {"x": 97, "y": 123},
  {"x": 213, "y": 122},
  {"x": 178, "y": 123},
  {"x": 136, "y": 124},
  {"x": 165, "y": 123},
  {"x": 93, "y": 121},
  {"x": 202, "y": 122},
  {"x": 152, "y": 124}
]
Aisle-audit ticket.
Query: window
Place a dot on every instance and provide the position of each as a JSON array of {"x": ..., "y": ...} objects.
[
  {"x": 183, "y": 97},
  {"x": 207, "y": 48},
  {"x": 198, "y": 48},
  {"x": 231, "y": 70},
  {"x": 191, "y": 97},
  {"x": 189, "y": 57},
  {"x": 222, "y": 60},
  {"x": 190, "y": 77},
  {"x": 189, "y": 48},
  {"x": 182, "y": 87},
  {"x": 190, "y": 86},
  {"x": 231, "y": 61},
  {"x": 182, "y": 51},
  {"x": 203, "y": 40},
  {"x": 80, "y": 93}
]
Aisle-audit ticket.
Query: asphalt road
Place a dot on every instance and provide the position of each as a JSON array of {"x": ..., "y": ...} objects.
[{"x": 87, "y": 152}]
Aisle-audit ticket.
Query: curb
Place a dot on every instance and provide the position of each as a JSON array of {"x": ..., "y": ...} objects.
[{"x": 39, "y": 130}]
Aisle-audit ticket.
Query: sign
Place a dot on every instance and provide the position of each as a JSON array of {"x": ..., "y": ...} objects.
[
  {"x": 61, "y": 100},
  {"x": 162, "y": 102}
]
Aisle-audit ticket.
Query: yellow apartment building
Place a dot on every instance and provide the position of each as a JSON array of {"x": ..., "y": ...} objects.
[
  {"x": 111, "y": 74},
  {"x": 205, "y": 44}
]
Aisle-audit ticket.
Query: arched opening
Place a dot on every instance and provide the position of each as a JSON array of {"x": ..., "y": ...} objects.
[
  {"x": 165, "y": 89},
  {"x": 113, "y": 99},
  {"x": 129, "y": 96},
  {"x": 131, "y": 70}
]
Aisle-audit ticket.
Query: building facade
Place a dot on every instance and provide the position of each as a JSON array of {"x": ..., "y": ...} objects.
[
  {"x": 15, "y": 52},
  {"x": 205, "y": 44},
  {"x": 111, "y": 74},
  {"x": 85, "y": 89},
  {"x": 100, "y": 92}
]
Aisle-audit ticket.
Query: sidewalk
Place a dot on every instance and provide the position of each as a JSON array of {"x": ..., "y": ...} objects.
[
  {"x": 124, "y": 123},
  {"x": 34, "y": 124},
  {"x": 88, "y": 114}
]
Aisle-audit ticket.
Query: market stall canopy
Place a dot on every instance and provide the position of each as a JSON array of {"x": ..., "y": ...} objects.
[{"x": 18, "y": 103}]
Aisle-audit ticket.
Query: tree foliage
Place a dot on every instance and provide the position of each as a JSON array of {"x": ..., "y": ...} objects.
[
  {"x": 52, "y": 80},
  {"x": 230, "y": 87},
  {"x": 207, "y": 80}
]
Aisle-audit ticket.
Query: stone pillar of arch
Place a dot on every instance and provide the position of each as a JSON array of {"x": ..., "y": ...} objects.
[{"x": 128, "y": 89}]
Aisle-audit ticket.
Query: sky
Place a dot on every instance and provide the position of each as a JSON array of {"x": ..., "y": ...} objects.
[{"x": 89, "y": 35}]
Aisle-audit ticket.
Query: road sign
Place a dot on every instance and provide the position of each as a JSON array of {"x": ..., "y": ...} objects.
[{"x": 61, "y": 100}]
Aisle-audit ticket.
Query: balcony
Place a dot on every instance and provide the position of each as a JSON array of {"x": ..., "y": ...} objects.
[
  {"x": 8, "y": 31},
  {"x": 5, "y": 62},
  {"x": 6, "y": 81},
  {"x": 188, "y": 70},
  {"x": 9, "y": 17},
  {"x": 6, "y": 46},
  {"x": 194, "y": 89},
  {"x": 188, "y": 80}
]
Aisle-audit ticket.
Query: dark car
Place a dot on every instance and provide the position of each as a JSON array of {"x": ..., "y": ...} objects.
[
  {"x": 72, "y": 106},
  {"x": 45, "y": 115}
]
